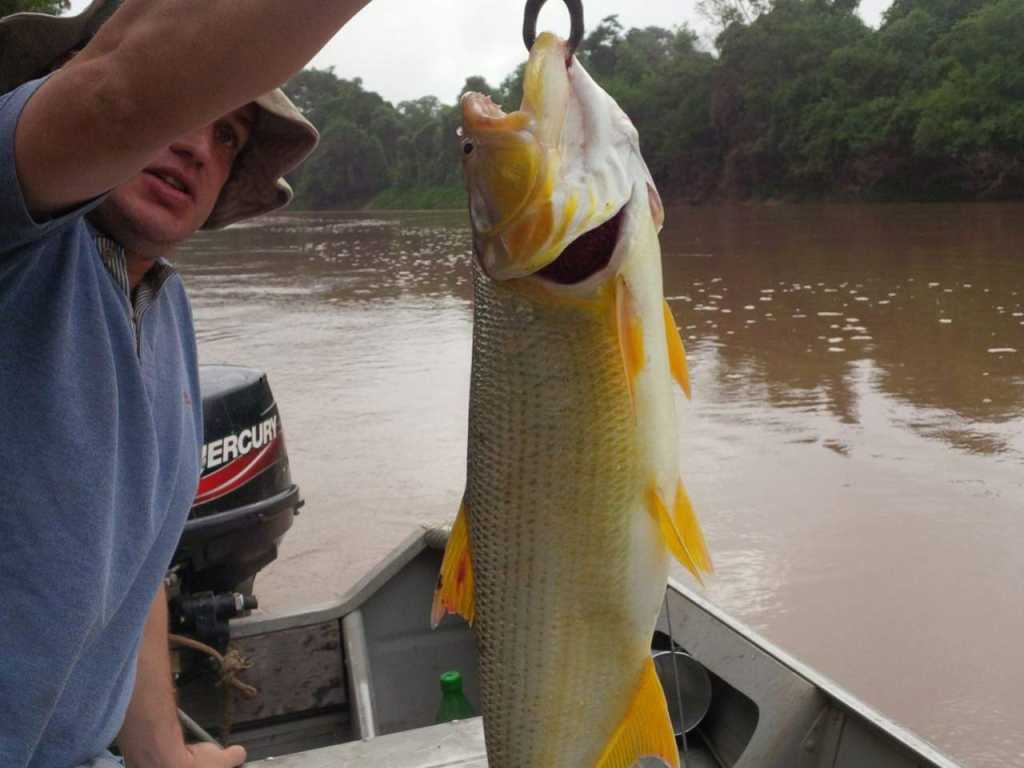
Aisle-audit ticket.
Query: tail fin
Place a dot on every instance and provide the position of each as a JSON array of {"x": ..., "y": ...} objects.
[{"x": 646, "y": 731}]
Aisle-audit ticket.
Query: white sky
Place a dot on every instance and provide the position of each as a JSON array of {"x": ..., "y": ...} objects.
[{"x": 404, "y": 49}]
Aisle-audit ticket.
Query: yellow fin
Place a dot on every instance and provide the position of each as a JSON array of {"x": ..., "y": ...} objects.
[
  {"x": 676, "y": 351},
  {"x": 681, "y": 531},
  {"x": 688, "y": 525},
  {"x": 454, "y": 591},
  {"x": 673, "y": 538},
  {"x": 631, "y": 335},
  {"x": 646, "y": 731}
]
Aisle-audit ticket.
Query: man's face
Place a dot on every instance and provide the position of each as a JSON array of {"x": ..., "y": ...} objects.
[{"x": 174, "y": 195}]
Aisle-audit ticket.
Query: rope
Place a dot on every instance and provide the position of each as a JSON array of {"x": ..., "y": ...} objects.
[{"x": 230, "y": 665}]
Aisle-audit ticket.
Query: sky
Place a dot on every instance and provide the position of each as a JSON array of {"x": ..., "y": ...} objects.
[{"x": 404, "y": 49}]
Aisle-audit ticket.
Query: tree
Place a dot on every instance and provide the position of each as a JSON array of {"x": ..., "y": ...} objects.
[
  {"x": 975, "y": 113},
  {"x": 598, "y": 50},
  {"x": 475, "y": 84},
  {"x": 947, "y": 12},
  {"x": 720, "y": 14},
  {"x": 386, "y": 126},
  {"x": 312, "y": 88},
  {"x": 771, "y": 76},
  {"x": 510, "y": 92},
  {"x": 421, "y": 110},
  {"x": 347, "y": 169}
]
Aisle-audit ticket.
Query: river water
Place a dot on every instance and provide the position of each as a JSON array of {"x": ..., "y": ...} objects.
[{"x": 854, "y": 446}]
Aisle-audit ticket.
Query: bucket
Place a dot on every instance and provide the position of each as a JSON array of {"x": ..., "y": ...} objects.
[{"x": 694, "y": 688}]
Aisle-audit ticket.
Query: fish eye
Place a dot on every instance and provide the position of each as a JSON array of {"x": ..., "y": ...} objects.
[{"x": 467, "y": 147}]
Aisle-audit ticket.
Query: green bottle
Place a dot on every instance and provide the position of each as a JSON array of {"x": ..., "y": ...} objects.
[{"x": 454, "y": 704}]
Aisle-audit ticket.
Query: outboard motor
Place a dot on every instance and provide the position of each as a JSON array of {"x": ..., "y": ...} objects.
[{"x": 244, "y": 505}]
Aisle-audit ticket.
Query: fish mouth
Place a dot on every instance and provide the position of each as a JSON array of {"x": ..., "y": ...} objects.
[
  {"x": 480, "y": 108},
  {"x": 587, "y": 255}
]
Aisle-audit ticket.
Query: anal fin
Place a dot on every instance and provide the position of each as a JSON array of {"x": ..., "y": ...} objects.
[
  {"x": 688, "y": 526},
  {"x": 676, "y": 351},
  {"x": 646, "y": 731},
  {"x": 681, "y": 531},
  {"x": 454, "y": 591}
]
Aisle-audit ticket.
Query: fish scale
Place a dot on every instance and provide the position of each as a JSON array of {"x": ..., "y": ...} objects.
[{"x": 541, "y": 528}]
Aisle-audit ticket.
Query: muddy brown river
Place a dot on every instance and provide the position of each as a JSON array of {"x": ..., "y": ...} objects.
[{"x": 854, "y": 446}]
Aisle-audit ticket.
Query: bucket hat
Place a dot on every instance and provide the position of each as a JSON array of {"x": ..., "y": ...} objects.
[{"x": 281, "y": 137}]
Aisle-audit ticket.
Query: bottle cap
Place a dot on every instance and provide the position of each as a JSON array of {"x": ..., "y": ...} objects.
[{"x": 451, "y": 682}]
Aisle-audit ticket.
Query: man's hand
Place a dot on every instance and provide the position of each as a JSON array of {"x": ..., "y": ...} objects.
[
  {"x": 151, "y": 736},
  {"x": 212, "y": 756}
]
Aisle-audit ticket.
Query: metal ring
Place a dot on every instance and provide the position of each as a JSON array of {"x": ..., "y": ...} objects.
[{"x": 575, "y": 15}]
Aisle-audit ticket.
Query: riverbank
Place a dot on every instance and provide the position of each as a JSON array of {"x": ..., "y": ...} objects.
[
  {"x": 452, "y": 197},
  {"x": 425, "y": 198}
]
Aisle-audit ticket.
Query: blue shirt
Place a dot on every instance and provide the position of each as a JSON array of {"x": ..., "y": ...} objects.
[{"x": 100, "y": 438}]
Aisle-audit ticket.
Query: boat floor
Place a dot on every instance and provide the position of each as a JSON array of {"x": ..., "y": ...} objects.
[{"x": 452, "y": 744}]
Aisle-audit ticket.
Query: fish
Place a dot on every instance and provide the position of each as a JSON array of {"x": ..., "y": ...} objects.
[{"x": 574, "y": 505}]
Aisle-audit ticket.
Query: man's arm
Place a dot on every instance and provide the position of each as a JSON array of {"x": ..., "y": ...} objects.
[
  {"x": 151, "y": 736},
  {"x": 155, "y": 71}
]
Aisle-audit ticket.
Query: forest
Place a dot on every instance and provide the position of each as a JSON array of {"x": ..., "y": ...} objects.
[
  {"x": 798, "y": 100},
  {"x": 793, "y": 100}
]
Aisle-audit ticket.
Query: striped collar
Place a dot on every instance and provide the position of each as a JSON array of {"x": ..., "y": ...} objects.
[
  {"x": 145, "y": 293},
  {"x": 116, "y": 262}
]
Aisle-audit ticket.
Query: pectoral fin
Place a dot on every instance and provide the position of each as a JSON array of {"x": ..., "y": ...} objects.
[
  {"x": 454, "y": 591},
  {"x": 631, "y": 335},
  {"x": 681, "y": 531},
  {"x": 646, "y": 730},
  {"x": 676, "y": 352}
]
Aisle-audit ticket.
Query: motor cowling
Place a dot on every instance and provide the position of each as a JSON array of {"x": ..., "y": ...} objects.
[{"x": 244, "y": 505}]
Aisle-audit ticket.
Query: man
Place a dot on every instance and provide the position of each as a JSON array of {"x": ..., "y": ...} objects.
[{"x": 144, "y": 123}]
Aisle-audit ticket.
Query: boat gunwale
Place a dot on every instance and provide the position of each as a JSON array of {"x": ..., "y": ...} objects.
[
  {"x": 828, "y": 687},
  {"x": 428, "y": 537}
]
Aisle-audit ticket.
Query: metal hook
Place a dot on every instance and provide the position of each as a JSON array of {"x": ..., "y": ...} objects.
[{"x": 575, "y": 16}]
